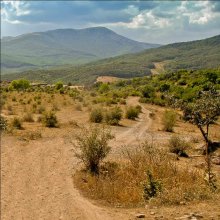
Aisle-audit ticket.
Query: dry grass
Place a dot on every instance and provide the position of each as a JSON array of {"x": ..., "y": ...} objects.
[
  {"x": 31, "y": 135},
  {"x": 123, "y": 183}
]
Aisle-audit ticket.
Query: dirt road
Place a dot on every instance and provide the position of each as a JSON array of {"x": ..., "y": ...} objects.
[{"x": 37, "y": 183}]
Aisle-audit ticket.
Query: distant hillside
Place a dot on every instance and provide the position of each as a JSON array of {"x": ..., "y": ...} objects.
[
  {"x": 64, "y": 46},
  {"x": 202, "y": 54}
]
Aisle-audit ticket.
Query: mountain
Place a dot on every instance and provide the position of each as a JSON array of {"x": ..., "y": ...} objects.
[
  {"x": 201, "y": 54},
  {"x": 64, "y": 46}
]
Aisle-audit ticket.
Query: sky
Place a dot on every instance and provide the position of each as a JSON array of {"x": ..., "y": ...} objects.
[{"x": 147, "y": 21}]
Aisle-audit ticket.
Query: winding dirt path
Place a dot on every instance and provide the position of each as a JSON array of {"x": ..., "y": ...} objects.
[{"x": 138, "y": 131}]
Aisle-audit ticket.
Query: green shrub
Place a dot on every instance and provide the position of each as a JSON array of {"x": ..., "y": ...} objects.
[
  {"x": 151, "y": 187},
  {"x": 16, "y": 123},
  {"x": 104, "y": 87},
  {"x": 49, "y": 119},
  {"x": 132, "y": 112},
  {"x": 96, "y": 115},
  {"x": 92, "y": 147},
  {"x": 20, "y": 84},
  {"x": 169, "y": 120},
  {"x": 178, "y": 146},
  {"x": 59, "y": 85},
  {"x": 113, "y": 116}
]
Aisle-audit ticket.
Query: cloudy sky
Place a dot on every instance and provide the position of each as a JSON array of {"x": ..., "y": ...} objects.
[{"x": 147, "y": 21}]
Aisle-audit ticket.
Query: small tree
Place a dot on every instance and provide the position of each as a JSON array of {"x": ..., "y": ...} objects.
[
  {"x": 203, "y": 113},
  {"x": 92, "y": 147}
]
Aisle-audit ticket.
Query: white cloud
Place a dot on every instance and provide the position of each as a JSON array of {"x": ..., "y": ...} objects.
[
  {"x": 12, "y": 10},
  {"x": 201, "y": 13},
  {"x": 146, "y": 20}
]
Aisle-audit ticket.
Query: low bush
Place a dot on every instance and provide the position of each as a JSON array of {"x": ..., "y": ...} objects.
[
  {"x": 132, "y": 112},
  {"x": 151, "y": 187},
  {"x": 113, "y": 116},
  {"x": 49, "y": 120},
  {"x": 96, "y": 115},
  {"x": 92, "y": 147},
  {"x": 169, "y": 120},
  {"x": 16, "y": 123}
]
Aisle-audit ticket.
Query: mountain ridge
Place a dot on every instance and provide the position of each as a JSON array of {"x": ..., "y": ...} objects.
[{"x": 97, "y": 42}]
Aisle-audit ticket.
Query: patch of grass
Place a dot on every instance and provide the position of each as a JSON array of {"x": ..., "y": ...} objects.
[{"x": 31, "y": 135}]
